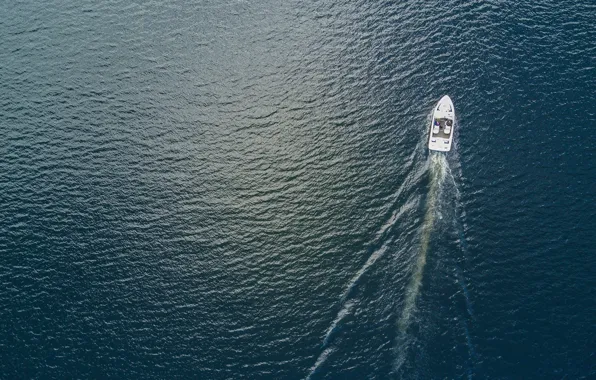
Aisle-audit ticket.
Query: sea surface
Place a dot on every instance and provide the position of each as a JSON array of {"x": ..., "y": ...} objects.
[{"x": 241, "y": 189}]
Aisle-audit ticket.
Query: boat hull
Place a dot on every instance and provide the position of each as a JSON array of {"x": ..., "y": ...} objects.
[{"x": 442, "y": 126}]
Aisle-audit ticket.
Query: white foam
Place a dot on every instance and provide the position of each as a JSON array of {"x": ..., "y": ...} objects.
[{"x": 438, "y": 167}]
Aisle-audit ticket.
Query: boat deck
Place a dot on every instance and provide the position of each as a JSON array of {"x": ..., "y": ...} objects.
[{"x": 442, "y": 133}]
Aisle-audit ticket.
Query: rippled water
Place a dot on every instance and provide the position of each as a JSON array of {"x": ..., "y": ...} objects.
[{"x": 241, "y": 190}]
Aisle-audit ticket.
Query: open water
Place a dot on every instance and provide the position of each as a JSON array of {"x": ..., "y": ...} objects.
[{"x": 242, "y": 190}]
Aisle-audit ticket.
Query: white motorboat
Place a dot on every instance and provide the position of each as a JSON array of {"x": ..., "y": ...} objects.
[{"x": 441, "y": 126}]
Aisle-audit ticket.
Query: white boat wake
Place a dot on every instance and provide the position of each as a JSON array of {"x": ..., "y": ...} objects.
[
  {"x": 346, "y": 308},
  {"x": 346, "y": 301},
  {"x": 438, "y": 169}
]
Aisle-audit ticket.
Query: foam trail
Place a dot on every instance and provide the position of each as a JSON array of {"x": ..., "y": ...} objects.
[
  {"x": 346, "y": 302},
  {"x": 464, "y": 248},
  {"x": 438, "y": 165},
  {"x": 340, "y": 316},
  {"x": 346, "y": 310},
  {"x": 462, "y": 283},
  {"x": 459, "y": 212},
  {"x": 346, "y": 307},
  {"x": 320, "y": 360},
  {"x": 472, "y": 353},
  {"x": 371, "y": 260},
  {"x": 470, "y": 349},
  {"x": 438, "y": 169},
  {"x": 462, "y": 242}
]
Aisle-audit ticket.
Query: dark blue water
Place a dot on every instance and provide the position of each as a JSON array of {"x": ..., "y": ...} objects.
[{"x": 242, "y": 190}]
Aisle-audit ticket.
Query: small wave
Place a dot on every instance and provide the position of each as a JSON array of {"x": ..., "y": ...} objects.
[
  {"x": 346, "y": 307},
  {"x": 347, "y": 304},
  {"x": 320, "y": 360},
  {"x": 356, "y": 279}
]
